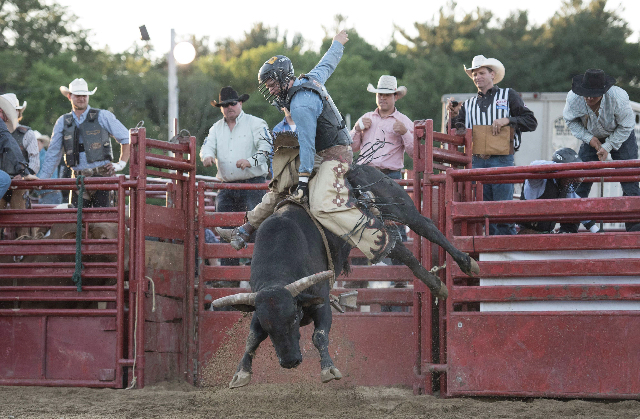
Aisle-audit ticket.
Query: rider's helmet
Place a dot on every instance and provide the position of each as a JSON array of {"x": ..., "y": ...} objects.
[
  {"x": 279, "y": 69},
  {"x": 567, "y": 155}
]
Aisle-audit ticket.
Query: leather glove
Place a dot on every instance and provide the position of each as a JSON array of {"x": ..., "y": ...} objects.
[
  {"x": 301, "y": 194},
  {"x": 119, "y": 166}
]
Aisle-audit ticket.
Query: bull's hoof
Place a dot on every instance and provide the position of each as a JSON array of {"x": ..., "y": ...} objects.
[
  {"x": 331, "y": 373},
  {"x": 472, "y": 269},
  {"x": 240, "y": 379},
  {"x": 443, "y": 292}
]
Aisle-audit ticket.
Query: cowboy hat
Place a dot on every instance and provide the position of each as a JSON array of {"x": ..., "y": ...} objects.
[
  {"x": 228, "y": 95},
  {"x": 594, "y": 83},
  {"x": 77, "y": 87},
  {"x": 9, "y": 110},
  {"x": 492, "y": 63},
  {"x": 13, "y": 99},
  {"x": 388, "y": 85}
]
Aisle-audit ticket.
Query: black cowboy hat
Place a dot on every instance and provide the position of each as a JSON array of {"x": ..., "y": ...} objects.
[
  {"x": 594, "y": 83},
  {"x": 228, "y": 95}
]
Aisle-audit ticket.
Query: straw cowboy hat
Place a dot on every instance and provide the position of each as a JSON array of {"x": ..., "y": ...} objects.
[
  {"x": 228, "y": 95},
  {"x": 77, "y": 87},
  {"x": 388, "y": 85},
  {"x": 13, "y": 99},
  {"x": 492, "y": 63},
  {"x": 9, "y": 110},
  {"x": 594, "y": 83}
]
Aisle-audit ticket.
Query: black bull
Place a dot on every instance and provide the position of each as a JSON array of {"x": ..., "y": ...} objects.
[{"x": 289, "y": 247}]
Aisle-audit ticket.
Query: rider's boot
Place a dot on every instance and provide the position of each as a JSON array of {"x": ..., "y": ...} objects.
[{"x": 238, "y": 237}]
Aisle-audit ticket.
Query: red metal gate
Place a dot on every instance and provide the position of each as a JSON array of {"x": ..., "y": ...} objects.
[
  {"x": 51, "y": 334},
  {"x": 130, "y": 320}
]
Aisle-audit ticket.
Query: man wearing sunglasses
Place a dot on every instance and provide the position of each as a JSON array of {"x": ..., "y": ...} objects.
[{"x": 239, "y": 145}]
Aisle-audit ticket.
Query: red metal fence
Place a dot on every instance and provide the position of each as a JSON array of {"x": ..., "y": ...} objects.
[
  {"x": 554, "y": 314},
  {"x": 549, "y": 315}
]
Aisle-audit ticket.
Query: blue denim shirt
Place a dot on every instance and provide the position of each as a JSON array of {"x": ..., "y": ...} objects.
[
  {"x": 282, "y": 126},
  {"x": 106, "y": 119},
  {"x": 306, "y": 106}
]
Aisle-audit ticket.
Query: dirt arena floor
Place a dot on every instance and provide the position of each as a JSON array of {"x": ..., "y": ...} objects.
[{"x": 177, "y": 400}]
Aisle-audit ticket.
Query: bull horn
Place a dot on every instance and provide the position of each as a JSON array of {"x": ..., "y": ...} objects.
[
  {"x": 246, "y": 298},
  {"x": 301, "y": 284}
]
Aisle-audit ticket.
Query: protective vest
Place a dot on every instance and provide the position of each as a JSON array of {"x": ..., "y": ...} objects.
[
  {"x": 96, "y": 143},
  {"x": 19, "y": 134},
  {"x": 331, "y": 129},
  {"x": 498, "y": 109}
]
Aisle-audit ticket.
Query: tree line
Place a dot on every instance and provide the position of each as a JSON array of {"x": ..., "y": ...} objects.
[{"x": 43, "y": 47}]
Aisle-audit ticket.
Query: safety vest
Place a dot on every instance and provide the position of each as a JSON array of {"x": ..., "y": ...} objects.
[
  {"x": 331, "y": 129},
  {"x": 95, "y": 139},
  {"x": 19, "y": 134}
]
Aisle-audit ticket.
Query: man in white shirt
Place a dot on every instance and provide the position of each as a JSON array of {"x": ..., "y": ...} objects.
[{"x": 239, "y": 145}]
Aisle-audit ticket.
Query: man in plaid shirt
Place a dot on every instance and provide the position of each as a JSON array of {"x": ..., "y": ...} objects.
[{"x": 599, "y": 114}]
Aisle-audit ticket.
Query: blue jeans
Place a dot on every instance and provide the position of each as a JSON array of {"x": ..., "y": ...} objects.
[
  {"x": 497, "y": 192},
  {"x": 5, "y": 182},
  {"x": 230, "y": 200},
  {"x": 627, "y": 151}
]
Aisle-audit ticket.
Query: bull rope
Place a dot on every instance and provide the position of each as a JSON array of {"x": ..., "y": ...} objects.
[
  {"x": 77, "y": 275},
  {"x": 324, "y": 237},
  {"x": 134, "y": 379}
]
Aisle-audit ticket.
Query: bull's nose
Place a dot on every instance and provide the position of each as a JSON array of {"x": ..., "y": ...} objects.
[{"x": 291, "y": 364}]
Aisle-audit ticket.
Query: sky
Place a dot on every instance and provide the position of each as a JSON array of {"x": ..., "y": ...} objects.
[{"x": 115, "y": 23}]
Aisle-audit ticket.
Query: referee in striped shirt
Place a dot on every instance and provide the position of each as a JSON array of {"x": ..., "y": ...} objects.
[
  {"x": 599, "y": 114},
  {"x": 500, "y": 108}
]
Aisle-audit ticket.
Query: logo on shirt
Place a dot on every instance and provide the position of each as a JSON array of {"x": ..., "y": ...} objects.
[{"x": 501, "y": 104}]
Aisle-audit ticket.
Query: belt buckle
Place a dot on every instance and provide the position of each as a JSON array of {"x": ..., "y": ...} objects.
[{"x": 483, "y": 156}]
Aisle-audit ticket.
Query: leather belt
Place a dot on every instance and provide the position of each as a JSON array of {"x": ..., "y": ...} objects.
[
  {"x": 96, "y": 171},
  {"x": 81, "y": 147},
  {"x": 482, "y": 156}
]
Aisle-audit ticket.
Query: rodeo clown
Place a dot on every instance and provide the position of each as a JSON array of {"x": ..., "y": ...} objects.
[
  {"x": 83, "y": 137},
  {"x": 322, "y": 132},
  {"x": 497, "y": 116}
]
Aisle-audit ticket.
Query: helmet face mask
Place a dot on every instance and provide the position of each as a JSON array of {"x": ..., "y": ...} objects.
[
  {"x": 569, "y": 185},
  {"x": 277, "y": 71}
]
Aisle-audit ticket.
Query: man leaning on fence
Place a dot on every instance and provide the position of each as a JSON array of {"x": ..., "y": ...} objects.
[
  {"x": 83, "y": 136},
  {"x": 599, "y": 114}
]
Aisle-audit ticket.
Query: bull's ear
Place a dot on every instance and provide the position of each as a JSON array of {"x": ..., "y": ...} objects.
[{"x": 306, "y": 300}]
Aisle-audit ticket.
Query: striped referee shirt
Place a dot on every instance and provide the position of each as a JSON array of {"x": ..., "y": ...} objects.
[
  {"x": 613, "y": 123},
  {"x": 495, "y": 104}
]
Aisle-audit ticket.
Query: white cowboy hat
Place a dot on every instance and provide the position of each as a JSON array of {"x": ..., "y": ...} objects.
[
  {"x": 77, "y": 87},
  {"x": 13, "y": 99},
  {"x": 387, "y": 85},
  {"x": 9, "y": 110},
  {"x": 492, "y": 63}
]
